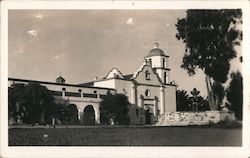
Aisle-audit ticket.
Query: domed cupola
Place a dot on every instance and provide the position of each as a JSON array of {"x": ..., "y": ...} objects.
[
  {"x": 60, "y": 79},
  {"x": 159, "y": 62},
  {"x": 156, "y": 51}
]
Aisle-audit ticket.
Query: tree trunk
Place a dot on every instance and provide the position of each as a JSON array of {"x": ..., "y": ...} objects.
[{"x": 210, "y": 93}]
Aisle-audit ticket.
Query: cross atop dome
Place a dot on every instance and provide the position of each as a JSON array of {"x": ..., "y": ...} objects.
[{"x": 156, "y": 45}]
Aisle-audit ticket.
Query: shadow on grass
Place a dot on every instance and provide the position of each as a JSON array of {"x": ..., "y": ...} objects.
[{"x": 209, "y": 135}]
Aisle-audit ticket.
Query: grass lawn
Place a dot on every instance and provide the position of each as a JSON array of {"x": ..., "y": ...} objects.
[{"x": 126, "y": 136}]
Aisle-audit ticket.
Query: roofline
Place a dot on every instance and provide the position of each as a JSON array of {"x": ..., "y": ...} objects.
[
  {"x": 148, "y": 56},
  {"x": 162, "y": 68},
  {"x": 105, "y": 79},
  {"x": 53, "y": 83},
  {"x": 145, "y": 84}
]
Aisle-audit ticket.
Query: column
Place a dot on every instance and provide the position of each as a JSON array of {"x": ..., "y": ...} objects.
[
  {"x": 133, "y": 93},
  {"x": 80, "y": 114},
  {"x": 141, "y": 102},
  {"x": 162, "y": 99},
  {"x": 97, "y": 115},
  {"x": 156, "y": 109},
  {"x": 133, "y": 102},
  {"x": 155, "y": 105}
]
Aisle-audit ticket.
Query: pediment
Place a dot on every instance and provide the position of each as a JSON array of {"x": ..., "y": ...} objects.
[
  {"x": 146, "y": 75},
  {"x": 114, "y": 73}
]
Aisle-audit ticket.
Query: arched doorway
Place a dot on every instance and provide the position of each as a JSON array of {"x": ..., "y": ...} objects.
[
  {"x": 72, "y": 114},
  {"x": 148, "y": 116},
  {"x": 89, "y": 115}
]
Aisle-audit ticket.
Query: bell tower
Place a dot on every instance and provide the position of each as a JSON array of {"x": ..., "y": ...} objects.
[{"x": 159, "y": 62}]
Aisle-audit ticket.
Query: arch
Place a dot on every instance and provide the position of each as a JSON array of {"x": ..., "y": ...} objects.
[
  {"x": 150, "y": 61},
  {"x": 72, "y": 114},
  {"x": 147, "y": 75},
  {"x": 148, "y": 116},
  {"x": 89, "y": 115}
]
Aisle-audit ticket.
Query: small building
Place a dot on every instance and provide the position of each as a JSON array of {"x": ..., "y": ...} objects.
[{"x": 149, "y": 90}]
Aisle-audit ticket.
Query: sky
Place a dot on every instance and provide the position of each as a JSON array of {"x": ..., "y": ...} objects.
[{"x": 84, "y": 44}]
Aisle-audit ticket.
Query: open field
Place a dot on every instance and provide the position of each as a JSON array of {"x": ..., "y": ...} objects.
[{"x": 125, "y": 136}]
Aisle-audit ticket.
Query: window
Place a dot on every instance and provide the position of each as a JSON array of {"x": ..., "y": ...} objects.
[
  {"x": 163, "y": 62},
  {"x": 165, "y": 77},
  {"x": 150, "y": 61},
  {"x": 79, "y": 90},
  {"x": 147, "y": 93},
  {"x": 64, "y": 89},
  {"x": 94, "y": 91},
  {"x": 147, "y": 75}
]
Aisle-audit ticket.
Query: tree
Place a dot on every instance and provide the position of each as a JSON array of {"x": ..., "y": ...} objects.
[
  {"x": 182, "y": 100},
  {"x": 114, "y": 107},
  {"x": 210, "y": 37},
  {"x": 15, "y": 101},
  {"x": 235, "y": 94},
  {"x": 38, "y": 102},
  {"x": 219, "y": 93}
]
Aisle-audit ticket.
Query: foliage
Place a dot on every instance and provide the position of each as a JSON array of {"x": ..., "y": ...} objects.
[
  {"x": 210, "y": 37},
  {"x": 185, "y": 102},
  {"x": 37, "y": 102},
  {"x": 15, "y": 101},
  {"x": 227, "y": 124},
  {"x": 31, "y": 103},
  {"x": 114, "y": 107},
  {"x": 235, "y": 94}
]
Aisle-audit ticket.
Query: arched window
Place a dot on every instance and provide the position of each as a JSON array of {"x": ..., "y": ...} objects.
[
  {"x": 165, "y": 77},
  {"x": 150, "y": 61},
  {"x": 163, "y": 62},
  {"x": 147, "y": 75}
]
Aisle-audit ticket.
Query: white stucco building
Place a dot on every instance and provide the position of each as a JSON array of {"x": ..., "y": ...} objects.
[{"x": 148, "y": 89}]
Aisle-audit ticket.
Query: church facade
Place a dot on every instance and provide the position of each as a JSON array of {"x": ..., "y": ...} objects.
[{"x": 149, "y": 90}]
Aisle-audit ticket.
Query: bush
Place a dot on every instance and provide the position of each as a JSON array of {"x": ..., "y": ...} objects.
[{"x": 228, "y": 124}]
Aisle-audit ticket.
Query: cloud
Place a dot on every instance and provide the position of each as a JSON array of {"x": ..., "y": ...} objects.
[
  {"x": 38, "y": 16},
  {"x": 130, "y": 21},
  {"x": 32, "y": 32},
  {"x": 20, "y": 51},
  {"x": 57, "y": 57}
]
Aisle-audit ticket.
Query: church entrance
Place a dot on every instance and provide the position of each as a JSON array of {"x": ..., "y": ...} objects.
[
  {"x": 89, "y": 115},
  {"x": 148, "y": 116}
]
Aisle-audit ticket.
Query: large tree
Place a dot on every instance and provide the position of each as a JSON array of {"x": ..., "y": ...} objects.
[
  {"x": 210, "y": 37},
  {"x": 15, "y": 101},
  {"x": 114, "y": 107},
  {"x": 38, "y": 102},
  {"x": 235, "y": 94}
]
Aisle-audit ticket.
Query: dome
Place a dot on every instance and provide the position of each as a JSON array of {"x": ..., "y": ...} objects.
[
  {"x": 155, "y": 51},
  {"x": 60, "y": 79}
]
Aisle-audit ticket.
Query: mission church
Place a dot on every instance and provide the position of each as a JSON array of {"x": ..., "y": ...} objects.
[{"x": 149, "y": 90}]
